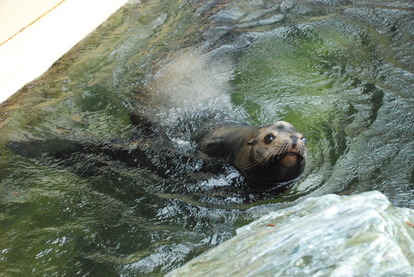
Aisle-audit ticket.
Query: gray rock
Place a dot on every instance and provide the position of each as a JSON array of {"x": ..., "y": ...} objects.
[{"x": 360, "y": 235}]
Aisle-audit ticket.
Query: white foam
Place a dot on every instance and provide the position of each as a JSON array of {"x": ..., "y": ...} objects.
[{"x": 192, "y": 80}]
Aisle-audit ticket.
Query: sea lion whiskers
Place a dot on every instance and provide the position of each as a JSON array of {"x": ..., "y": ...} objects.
[
  {"x": 263, "y": 159},
  {"x": 253, "y": 164},
  {"x": 269, "y": 155},
  {"x": 280, "y": 148}
]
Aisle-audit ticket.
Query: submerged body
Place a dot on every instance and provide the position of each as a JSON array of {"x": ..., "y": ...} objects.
[{"x": 268, "y": 155}]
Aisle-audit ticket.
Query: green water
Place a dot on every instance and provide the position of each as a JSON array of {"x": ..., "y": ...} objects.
[{"x": 73, "y": 204}]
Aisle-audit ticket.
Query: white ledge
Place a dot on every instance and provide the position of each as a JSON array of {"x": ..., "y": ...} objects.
[{"x": 35, "y": 33}]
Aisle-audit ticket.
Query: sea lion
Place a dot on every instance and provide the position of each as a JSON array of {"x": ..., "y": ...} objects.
[{"x": 268, "y": 155}]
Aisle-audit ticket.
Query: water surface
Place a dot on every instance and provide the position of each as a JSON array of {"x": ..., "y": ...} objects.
[{"x": 78, "y": 198}]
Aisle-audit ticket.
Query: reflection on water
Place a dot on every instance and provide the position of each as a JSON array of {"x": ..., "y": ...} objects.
[{"x": 85, "y": 192}]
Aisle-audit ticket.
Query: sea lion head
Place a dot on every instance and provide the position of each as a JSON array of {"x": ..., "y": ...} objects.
[{"x": 275, "y": 154}]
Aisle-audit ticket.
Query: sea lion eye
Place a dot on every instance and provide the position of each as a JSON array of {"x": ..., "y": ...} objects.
[{"x": 269, "y": 138}]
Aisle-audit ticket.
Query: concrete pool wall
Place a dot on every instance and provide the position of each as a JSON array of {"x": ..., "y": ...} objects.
[{"x": 35, "y": 33}]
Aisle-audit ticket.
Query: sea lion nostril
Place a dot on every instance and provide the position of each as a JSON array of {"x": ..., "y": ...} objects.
[
  {"x": 294, "y": 140},
  {"x": 304, "y": 141}
]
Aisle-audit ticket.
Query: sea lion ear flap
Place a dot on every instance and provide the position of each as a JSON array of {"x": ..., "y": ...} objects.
[{"x": 252, "y": 142}]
